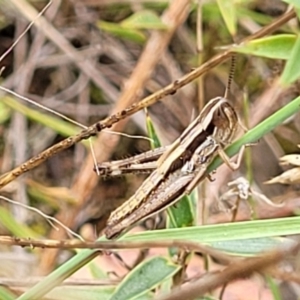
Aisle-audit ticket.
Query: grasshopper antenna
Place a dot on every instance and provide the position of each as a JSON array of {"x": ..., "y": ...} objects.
[{"x": 231, "y": 75}]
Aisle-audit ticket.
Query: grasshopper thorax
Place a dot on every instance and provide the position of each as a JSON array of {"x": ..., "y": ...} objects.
[{"x": 222, "y": 118}]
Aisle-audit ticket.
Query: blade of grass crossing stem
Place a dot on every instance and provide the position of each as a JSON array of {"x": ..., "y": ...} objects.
[
  {"x": 279, "y": 46},
  {"x": 60, "y": 126}
]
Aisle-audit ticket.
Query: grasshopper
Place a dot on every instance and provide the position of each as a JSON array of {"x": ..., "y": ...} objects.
[
  {"x": 185, "y": 145},
  {"x": 179, "y": 167}
]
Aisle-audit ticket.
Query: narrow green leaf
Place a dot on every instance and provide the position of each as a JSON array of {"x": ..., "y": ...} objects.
[
  {"x": 220, "y": 233},
  {"x": 5, "y": 113},
  {"x": 96, "y": 271},
  {"x": 145, "y": 19},
  {"x": 274, "y": 287},
  {"x": 277, "y": 47},
  {"x": 181, "y": 214},
  {"x": 249, "y": 246},
  {"x": 59, "y": 275},
  {"x": 58, "y": 125},
  {"x": 155, "y": 142},
  {"x": 291, "y": 71},
  {"x": 228, "y": 11},
  {"x": 6, "y": 294},
  {"x": 122, "y": 32},
  {"x": 144, "y": 278},
  {"x": 79, "y": 293},
  {"x": 17, "y": 229}
]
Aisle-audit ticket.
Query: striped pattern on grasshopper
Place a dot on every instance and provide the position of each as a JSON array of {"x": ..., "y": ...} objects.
[{"x": 179, "y": 168}]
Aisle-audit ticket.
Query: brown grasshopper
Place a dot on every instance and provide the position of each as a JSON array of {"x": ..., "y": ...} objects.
[{"x": 179, "y": 168}]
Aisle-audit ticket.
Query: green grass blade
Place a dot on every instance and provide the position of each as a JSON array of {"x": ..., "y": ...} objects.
[
  {"x": 62, "y": 127},
  {"x": 6, "y": 294},
  {"x": 291, "y": 70},
  {"x": 58, "y": 125},
  {"x": 223, "y": 232},
  {"x": 181, "y": 214},
  {"x": 59, "y": 275},
  {"x": 145, "y": 277},
  {"x": 274, "y": 287},
  {"x": 228, "y": 11},
  {"x": 118, "y": 30},
  {"x": 279, "y": 46},
  {"x": 5, "y": 113},
  {"x": 79, "y": 293},
  {"x": 17, "y": 229},
  {"x": 144, "y": 19},
  {"x": 155, "y": 142}
]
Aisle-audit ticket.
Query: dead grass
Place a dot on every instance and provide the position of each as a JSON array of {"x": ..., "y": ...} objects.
[{"x": 67, "y": 63}]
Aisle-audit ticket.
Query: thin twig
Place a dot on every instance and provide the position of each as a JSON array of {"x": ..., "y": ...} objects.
[
  {"x": 114, "y": 245},
  {"x": 28, "y": 282}
]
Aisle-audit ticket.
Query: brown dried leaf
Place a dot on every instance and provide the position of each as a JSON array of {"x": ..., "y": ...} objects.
[
  {"x": 292, "y": 159},
  {"x": 289, "y": 177}
]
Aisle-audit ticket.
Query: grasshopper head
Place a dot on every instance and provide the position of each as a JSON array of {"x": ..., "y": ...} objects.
[
  {"x": 225, "y": 121},
  {"x": 219, "y": 118}
]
